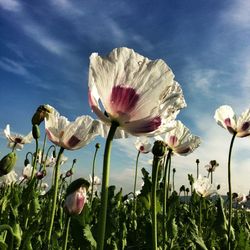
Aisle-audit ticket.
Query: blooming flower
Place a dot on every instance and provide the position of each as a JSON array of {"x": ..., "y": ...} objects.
[
  {"x": 97, "y": 182},
  {"x": 137, "y": 93},
  {"x": 17, "y": 141},
  {"x": 75, "y": 201},
  {"x": 27, "y": 172},
  {"x": 203, "y": 187},
  {"x": 226, "y": 118},
  {"x": 212, "y": 166},
  {"x": 143, "y": 145},
  {"x": 70, "y": 135},
  {"x": 180, "y": 140},
  {"x": 9, "y": 178}
]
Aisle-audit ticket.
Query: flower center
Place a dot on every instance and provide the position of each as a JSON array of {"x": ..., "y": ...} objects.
[
  {"x": 245, "y": 126},
  {"x": 123, "y": 100}
]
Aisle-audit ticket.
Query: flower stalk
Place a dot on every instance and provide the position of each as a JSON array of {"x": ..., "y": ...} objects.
[
  {"x": 57, "y": 174},
  {"x": 97, "y": 146},
  {"x": 66, "y": 233},
  {"x": 165, "y": 195},
  {"x": 230, "y": 193},
  {"x": 105, "y": 185}
]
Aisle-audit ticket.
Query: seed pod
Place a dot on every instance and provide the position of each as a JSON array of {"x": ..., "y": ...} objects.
[
  {"x": 36, "y": 132},
  {"x": 41, "y": 112},
  {"x": 159, "y": 148},
  {"x": 7, "y": 163}
]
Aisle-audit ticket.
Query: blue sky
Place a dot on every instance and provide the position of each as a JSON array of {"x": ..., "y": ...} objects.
[{"x": 44, "y": 56}]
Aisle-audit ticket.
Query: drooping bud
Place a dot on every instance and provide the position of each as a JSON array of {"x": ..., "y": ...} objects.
[
  {"x": 76, "y": 196},
  {"x": 159, "y": 148},
  {"x": 41, "y": 174},
  {"x": 7, "y": 163},
  {"x": 69, "y": 173},
  {"x": 98, "y": 145},
  {"x": 36, "y": 132},
  {"x": 26, "y": 162},
  {"x": 197, "y": 161},
  {"x": 41, "y": 112}
]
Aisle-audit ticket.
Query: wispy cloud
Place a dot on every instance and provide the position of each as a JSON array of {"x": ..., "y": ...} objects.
[
  {"x": 10, "y": 5},
  {"x": 13, "y": 67},
  {"x": 41, "y": 36}
]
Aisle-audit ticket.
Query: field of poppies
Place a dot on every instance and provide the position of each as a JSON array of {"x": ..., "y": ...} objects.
[{"x": 132, "y": 96}]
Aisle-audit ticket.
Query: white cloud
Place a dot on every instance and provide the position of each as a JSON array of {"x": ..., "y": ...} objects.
[
  {"x": 238, "y": 13},
  {"x": 13, "y": 67},
  {"x": 10, "y": 5},
  {"x": 41, "y": 36}
]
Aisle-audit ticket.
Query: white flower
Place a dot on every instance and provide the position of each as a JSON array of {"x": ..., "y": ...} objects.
[
  {"x": 241, "y": 198},
  {"x": 226, "y": 118},
  {"x": 75, "y": 201},
  {"x": 17, "y": 141},
  {"x": 212, "y": 166},
  {"x": 9, "y": 178},
  {"x": 137, "y": 93},
  {"x": 143, "y": 145},
  {"x": 71, "y": 135},
  {"x": 180, "y": 140},
  {"x": 27, "y": 172},
  {"x": 203, "y": 187}
]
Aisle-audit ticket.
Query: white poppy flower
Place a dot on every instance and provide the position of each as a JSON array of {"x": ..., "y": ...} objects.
[
  {"x": 27, "y": 172},
  {"x": 226, "y": 118},
  {"x": 203, "y": 187},
  {"x": 180, "y": 140},
  {"x": 139, "y": 94},
  {"x": 71, "y": 135},
  {"x": 17, "y": 141},
  {"x": 75, "y": 201},
  {"x": 9, "y": 178},
  {"x": 143, "y": 145},
  {"x": 212, "y": 166}
]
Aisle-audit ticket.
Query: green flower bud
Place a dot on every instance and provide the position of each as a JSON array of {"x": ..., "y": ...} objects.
[
  {"x": 159, "y": 148},
  {"x": 36, "y": 131},
  {"x": 76, "y": 184},
  {"x": 7, "y": 163},
  {"x": 41, "y": 112},
  {"x": 98, "y": 145}
]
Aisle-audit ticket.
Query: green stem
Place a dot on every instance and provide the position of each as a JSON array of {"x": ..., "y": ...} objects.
[
  {"x": 57, "y": 175},
  {"x": 169, "y": 169},
  {"x": 8, "y": 228},
  {"x": 200, "y": 214},
  {"x": 93, "y": 177},
  {"x": 35, "y": 160},
  {"x": 230, "y": 192},
  {"x": 165, "y": 197},
  {"x": 197, "y": 170},
  {"x": 105, "y": 184},
  {"x": 211, "y": 177},
  {"x": 66, "y": 234},
  {"x": 135, "y": 181},
  {"x": 156, "y": 164}
]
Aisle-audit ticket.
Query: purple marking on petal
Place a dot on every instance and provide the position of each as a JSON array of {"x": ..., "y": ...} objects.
[
  {"x": 123, "y": 99},
  {"x": 73, "y": 141},
  {"x": 245, "y": 126},
  {"x": 79, "y": 202},
  {"x": 148, "y": 126},
  {"x": 142, "y": 148},
  {"x": 227, "y": 122},
  {"x": 173, "y": 140}
]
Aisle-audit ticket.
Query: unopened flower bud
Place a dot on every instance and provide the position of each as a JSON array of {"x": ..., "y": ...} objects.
[
  {"x": 54, "y": 153},
  {"x": 174, "y": 170},
  {"x": 26, "y": 162},
  {"x": 197, "y": 161},
  {"x": 218, "y": 187},
  {"x": 69, "y": 173},
  {"x": 7, "y": 163},
  {"x": 40, "y": 114},
  {"x": 74, "y": 161},
  {"x": 36, "y": 132},
  {"x": 98, "y": 145},
  {"x": 76, "y": 196},
  {"x": 41, "y": 174},
  {"x": 159, "y": 148}
]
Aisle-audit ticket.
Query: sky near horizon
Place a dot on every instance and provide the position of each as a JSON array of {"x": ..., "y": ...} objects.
[{"x": 44, "y": 57}]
